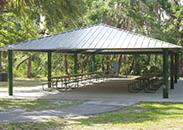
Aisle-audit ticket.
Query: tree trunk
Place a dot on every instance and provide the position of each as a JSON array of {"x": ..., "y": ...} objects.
[
  {"x": 156, "y": 59},
  {"x": 66, "y": 64},
  {"x": 103, "y": 67},
  {"x": 148, "y": 60},
  {"x": 131, "y": 67},
  {"x": 119, "y": 63},
  {"x": 109, "y": 63},
  {"x": 29, "y": 67}
]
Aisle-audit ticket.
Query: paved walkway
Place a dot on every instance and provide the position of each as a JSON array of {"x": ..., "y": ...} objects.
[
  {"x": 98, "y": 98},
  {"x": 85, "y": 109}
]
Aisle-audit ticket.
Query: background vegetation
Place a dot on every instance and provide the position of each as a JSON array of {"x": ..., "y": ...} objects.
[{"x": 22, "y": 20}]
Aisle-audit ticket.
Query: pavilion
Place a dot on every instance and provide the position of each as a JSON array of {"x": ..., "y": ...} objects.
[{"x": 100, "y": 39}]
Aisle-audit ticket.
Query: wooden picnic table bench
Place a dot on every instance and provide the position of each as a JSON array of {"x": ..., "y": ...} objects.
[
  {"x": 149, "y": 82},
  {"x": 72, "y": 81},
  {"x": 152, "y": 82}
]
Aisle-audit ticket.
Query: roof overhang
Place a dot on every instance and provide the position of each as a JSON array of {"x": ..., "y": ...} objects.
[{"x": 95, "y": 39}]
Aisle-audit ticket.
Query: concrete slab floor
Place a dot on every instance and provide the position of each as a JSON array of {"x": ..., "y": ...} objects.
[{"x": 108, "y": 91}]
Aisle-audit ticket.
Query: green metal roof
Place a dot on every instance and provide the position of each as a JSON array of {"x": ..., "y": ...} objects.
[{"x": 100, "y": 37}]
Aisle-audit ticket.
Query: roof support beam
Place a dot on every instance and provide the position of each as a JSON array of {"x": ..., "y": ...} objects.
[
  {"x": 165, "y": 73},
  {"x": 125, "y": 53},
  {"x": 10, "y": 72},
  {"x": 49, "y": 68}
]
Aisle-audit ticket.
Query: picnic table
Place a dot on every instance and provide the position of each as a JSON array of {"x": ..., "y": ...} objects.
[
  {"x": 67, "y": 82},
  {"x": 149, "y": 82}
]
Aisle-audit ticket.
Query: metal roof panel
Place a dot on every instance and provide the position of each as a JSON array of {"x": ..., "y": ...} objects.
[{"x": 100, "y": 36}]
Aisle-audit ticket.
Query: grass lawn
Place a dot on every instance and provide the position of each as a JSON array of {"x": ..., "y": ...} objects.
[
  {"x": 147, "y": 116},
  {"x": 24, "y": 83},
  {"x": 34, "y": 105}
]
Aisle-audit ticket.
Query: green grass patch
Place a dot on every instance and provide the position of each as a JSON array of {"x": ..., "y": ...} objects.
[
  {"x": 34, "y": 105},
  {"x": 48, "y": 125},
  {"x": 141, "y": 116},
  {"x": 24, "y": 83}
]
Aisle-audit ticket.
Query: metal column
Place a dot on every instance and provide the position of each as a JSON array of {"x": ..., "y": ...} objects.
[
  {"x": 176, "y": 67},
  {"x": 10, "y": 72},
  {"x": 165, "y": 73},
  {"x": 0, "y": 61},
  {"x": 172, "y": 72},
  {"x": 49, "y": 68}
]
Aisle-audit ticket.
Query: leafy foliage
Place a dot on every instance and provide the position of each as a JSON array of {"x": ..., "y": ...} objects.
[{"x": 22, "y": 20}]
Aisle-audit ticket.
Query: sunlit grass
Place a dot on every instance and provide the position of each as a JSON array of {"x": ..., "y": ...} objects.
[
  {"x": 34, "y": 105},
  {"x": 24, "y": 83},
  {"x": 48, "y": 125},
  {"x": 142, "y": 116}
]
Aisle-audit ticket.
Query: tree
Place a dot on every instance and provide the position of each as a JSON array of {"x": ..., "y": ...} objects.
[{"x": 21, "y": 20}]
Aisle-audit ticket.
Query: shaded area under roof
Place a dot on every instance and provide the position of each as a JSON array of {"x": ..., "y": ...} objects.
[{"x": 102, "y": 37}]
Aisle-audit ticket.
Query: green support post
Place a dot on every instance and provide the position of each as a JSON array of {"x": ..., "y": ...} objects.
[
  {"x": 178, "y": 63},
  {"x": 0, "y": 61},
  {"x": 10, "y": 72},
  {"x": 93, "y": 63},
  {"x": 49, "y": 69},
  {"x": 165, "y": 73},
  {"x": 75, "y": 63},
  {"x": 172, "y": 72},
  {"x": 176, "y": 67}
]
